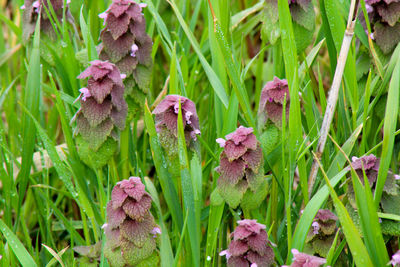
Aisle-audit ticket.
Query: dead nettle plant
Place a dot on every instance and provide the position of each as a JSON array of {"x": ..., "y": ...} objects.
[
  {"x": 102, "y": 114},
  {"x": 31, "y": 10},
  {"x": 322, "y": 234},
  {"x": 384, "y": 16},
  {"x": 274, "y": 102},
  {"x": 304, "y": 260},
  {"x": 303, "y": 16},
  {"x": 124, "y": 42},
  {"x": 390, "y": 201},
  {"x": 166, "y": 120},
  {"x": 249, "y": 246},
  {"x": 241, "y": 170},
  {"x": 131, "y": 233}
]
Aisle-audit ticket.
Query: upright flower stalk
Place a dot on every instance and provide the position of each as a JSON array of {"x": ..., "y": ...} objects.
[
  {"x": 126, "y": 44},
  {"x": 130, "y": 230},
  {"x": 102, "y": 114},
  {"x": 272, "y": 99},
  {"x": 166, "y": 118},
  {"x": 241, "y": 169},
  {"x": 250, "y": 246}
]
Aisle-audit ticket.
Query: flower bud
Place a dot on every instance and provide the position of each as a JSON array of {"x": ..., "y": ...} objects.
[
  {"x": 250, "y": 246},
  {"x": 103, "y": 108},
  {"x": 305, "y": 260},
  {"x": 241, "y": 167},
  {"x": 125, "y": 43},
  {"x": 130, "y": 229},
  {"x": 271, "y": 102}
]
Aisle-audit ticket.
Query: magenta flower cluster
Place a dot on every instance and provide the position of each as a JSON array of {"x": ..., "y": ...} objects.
[
  {"x": 130, "y": 229},
  {"x": 322, "y": 232},
  {"x": 271, "y": 102},
  {"x": 126, "y": 43},
  {"x": 103, "y": 108},
  {"x": 241, "y": 166},
  {"x": 250, "y": 246},
  {"x": 384, "y": 16},
  {"x": 166, "y": 116},
  {"x": 305, "y": 260},
  {"x": 31, "y": 9}
]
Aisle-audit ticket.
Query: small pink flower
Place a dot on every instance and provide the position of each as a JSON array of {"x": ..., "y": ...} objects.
[
  {"x": 316, "y": 227},
  {"x": 23, "y": 7},
  {"x": 221, "y": 142},
  {"x": 395, "y": 259},
  {"x": 85, "y": 93},
  {"x": 305, "y": 260},
  {"x": 134, "y": 49}
]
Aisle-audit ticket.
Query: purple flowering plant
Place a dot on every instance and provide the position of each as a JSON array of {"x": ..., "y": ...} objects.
[
  {"x": 241, "y": 169},
  {"x": 31, "y": 10},
  {"x": 131, "y": 233},
  {"x": 303, "y": 17},
  {"x": 272, "y": 98},
  {"x": 126, "y": 44},
  {"x": 384, "y": 16},
  {"x": 305, "y": 260},
  {"x": 322, "y": 232},
  {"x": 390, "y": 200},
  {"x": 102, "y": 114},
  {"x": 249, "y": 246},
  {"x": 166, "y": 122}
]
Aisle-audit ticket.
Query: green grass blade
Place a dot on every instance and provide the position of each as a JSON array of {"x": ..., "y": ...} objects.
[
  {"x": 389, "y": 128},
  {"x": 357, "y": 248},
  {"x": 369, "y": 221},
  {"x": 213, "y": 78},
  {"x": 32, "y": 100},
  {"x": 19, "y": 250},
  {"x": 188, "y": 193},
  {"x": 167, "y": 186},
  {"x": 321, "y": 196},
  {"x": 166, "y": 255}
]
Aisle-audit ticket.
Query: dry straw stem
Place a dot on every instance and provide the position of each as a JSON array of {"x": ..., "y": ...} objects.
[{"x": 334, "y": 91}]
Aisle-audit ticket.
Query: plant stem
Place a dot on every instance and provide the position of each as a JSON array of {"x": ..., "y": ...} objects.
[{"x": 334, "y": 91}]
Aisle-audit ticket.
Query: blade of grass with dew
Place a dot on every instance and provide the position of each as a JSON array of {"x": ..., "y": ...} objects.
[
  {"x": 213, "y": 78},
  {"x": 16, "y": 246},
  {"x": 234, "y": 73},
  {"x": 390, "y": 121},
  {"x": 188, "y": 193},
  {"x": 167, "y": 186},
  {"x": 32, "y": 96},
  {"x": 87, "y": 38},
  {"x": 63, "y": 172},
  {"x": 356, "y": 245},
  {"x": 369, "y": 221},
  {"x": 331, "y": 252},
  {"x": 295, "y": 128},
  {"x": 309, "y": 60},
  {"x": 311, "y": 209},
  {"x": 167, "y": 257}
]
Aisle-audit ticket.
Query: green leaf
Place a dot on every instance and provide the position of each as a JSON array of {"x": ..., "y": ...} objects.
[
  {"x": 213, "y": 78},
  {"x": 389, "y": 128},
  {"x": 188, "y": 193},
  {"x": 19, "y": 250},
  {"x": 357, "y": 248}
]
